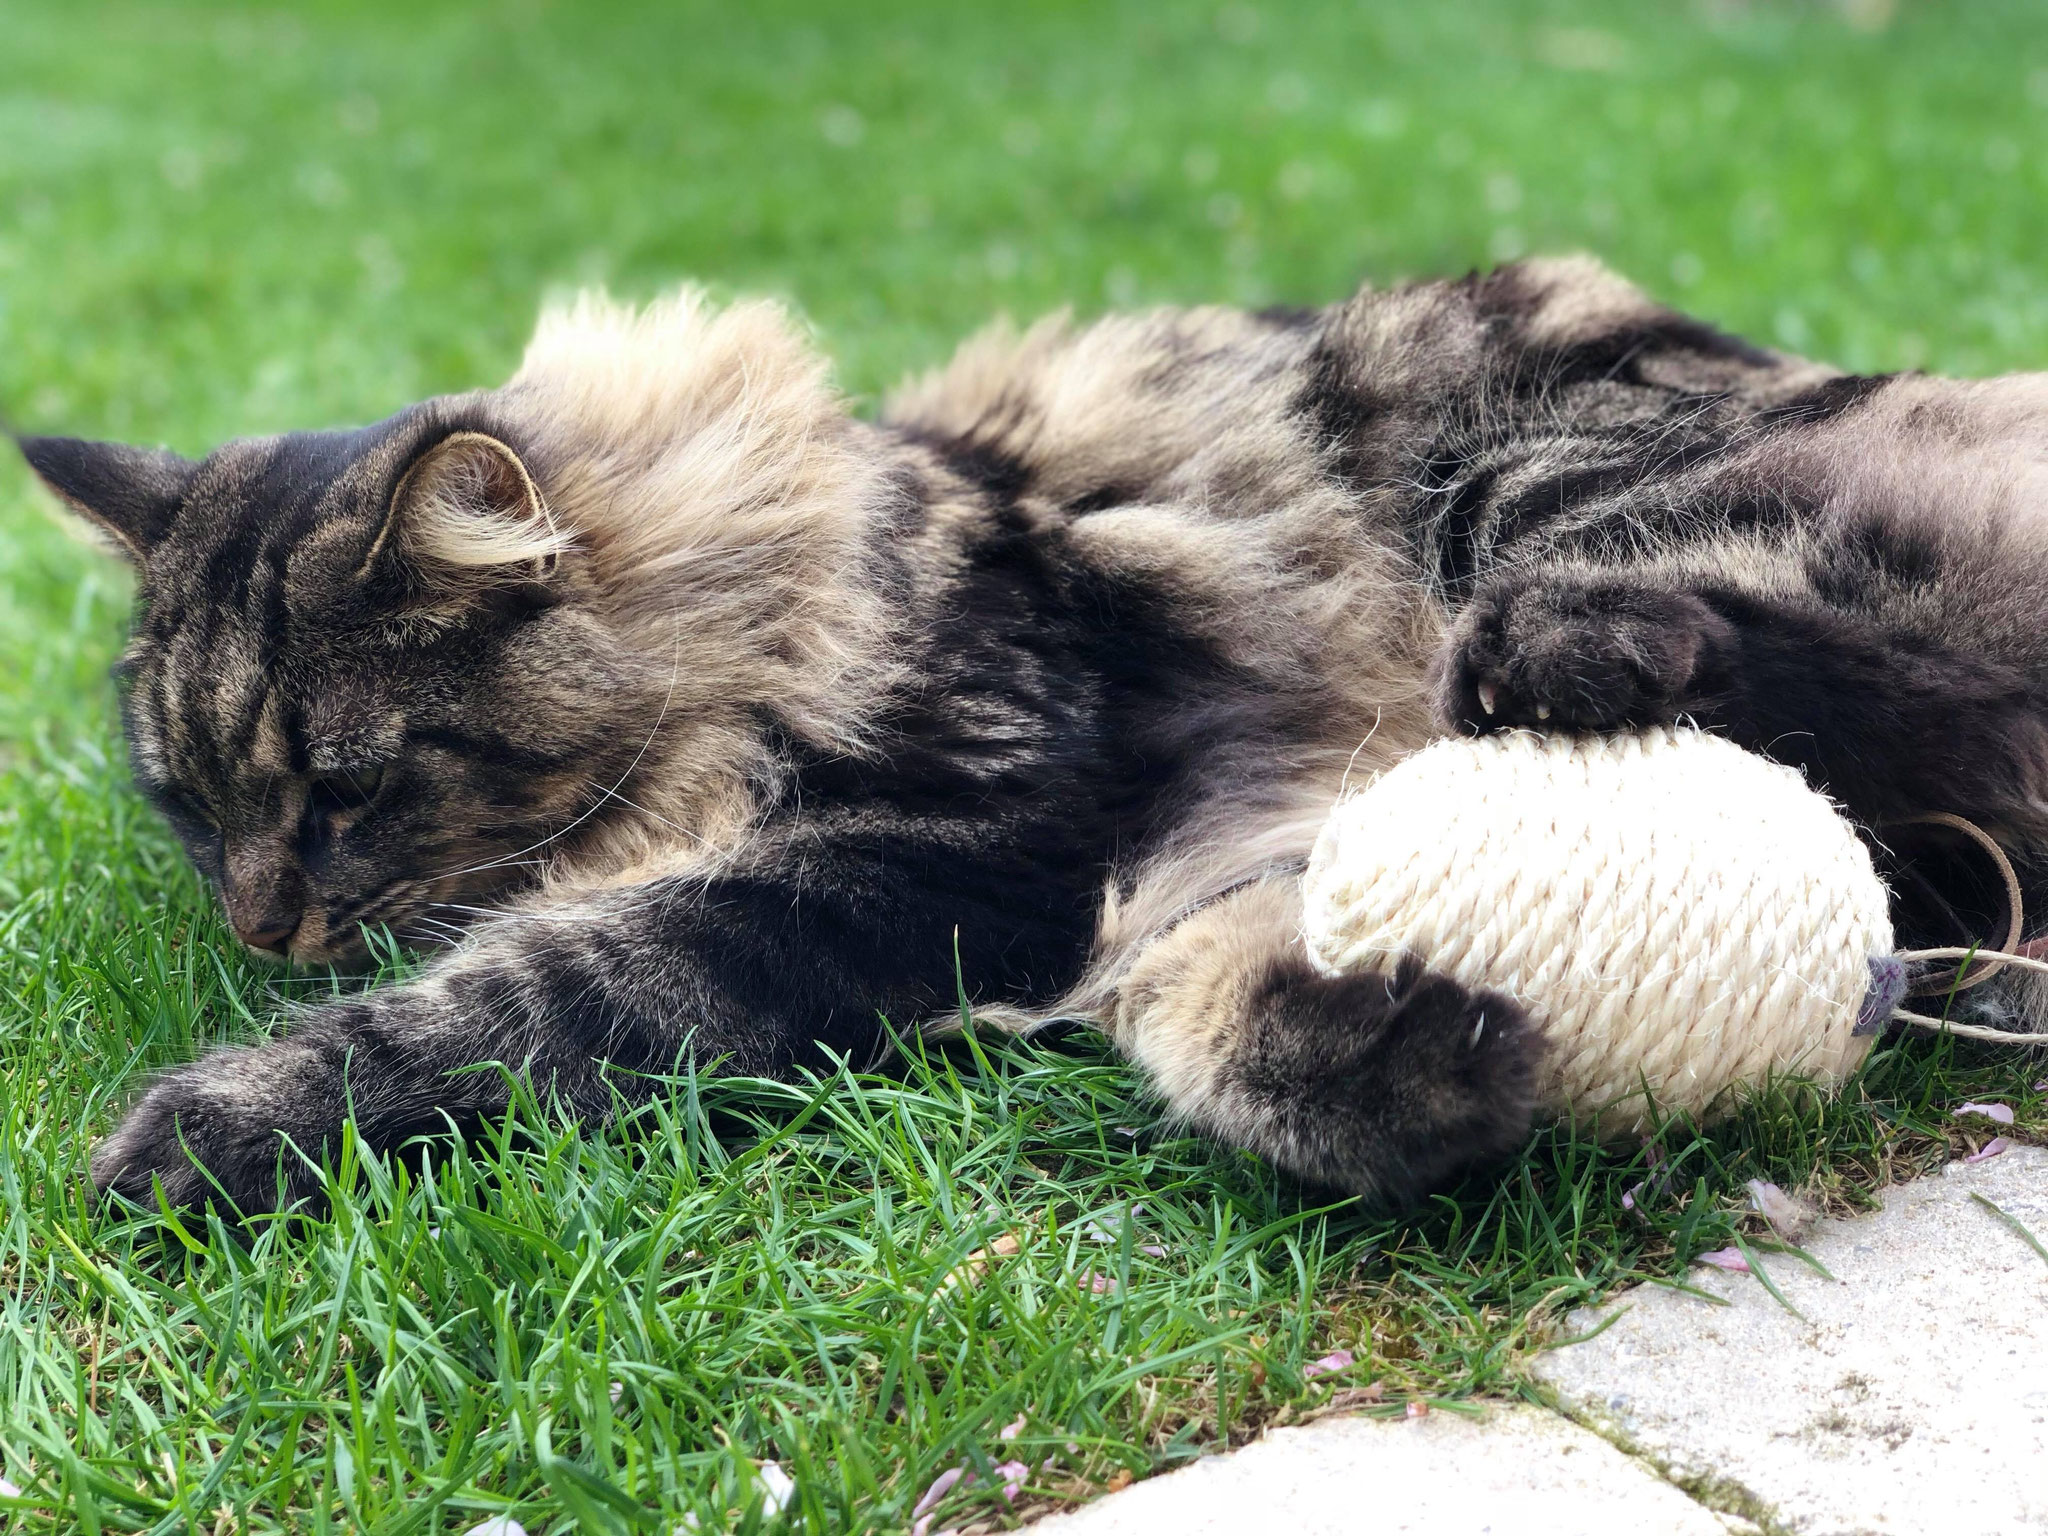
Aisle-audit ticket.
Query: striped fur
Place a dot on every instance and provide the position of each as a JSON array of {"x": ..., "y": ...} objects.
[{"x": 694, "y": 715}]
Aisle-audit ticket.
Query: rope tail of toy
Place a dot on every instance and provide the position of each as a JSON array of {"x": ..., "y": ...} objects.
[
  {"x": 1997, "y": 960},
  {"x": 1987, "y": 962}
]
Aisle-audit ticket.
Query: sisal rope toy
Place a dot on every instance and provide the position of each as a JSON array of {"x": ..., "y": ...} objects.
[{"x": 1677, "y": 914}]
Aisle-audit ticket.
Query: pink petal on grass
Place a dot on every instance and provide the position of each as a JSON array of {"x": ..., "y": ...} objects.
[
  {"x": 1105, "y": 1228},
  {"x": 1011, "y": 1430},
  {"x": 941, "y": 1486},
  {"x": 1790, "y": 1217},
  {"x": 2042, "y": 1086},
  {"x": 1991, "y": 1148},
  {"x": 1730, "y": 1259},
  {"x": 1418, "y": 1410},
  {"x": 8, "y": 1490},
  {"x": 1335, "y": 1360},
  {"x": 1013, "y": 1474},
  {"x": 2002, "y": 1113},
  {"x": 1101, "y": 1285},
  {"x": 1152, "y": 1250}
]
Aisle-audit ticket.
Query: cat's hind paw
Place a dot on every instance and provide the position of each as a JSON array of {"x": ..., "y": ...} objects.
[{"x": 1588, "y": 655}]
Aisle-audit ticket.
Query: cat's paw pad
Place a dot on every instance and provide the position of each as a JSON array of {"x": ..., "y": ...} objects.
[{"x": 1572, "y": 655}]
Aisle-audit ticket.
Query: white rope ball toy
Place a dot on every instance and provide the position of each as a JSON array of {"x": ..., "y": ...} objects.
[{"x": 1678, "y": 915}]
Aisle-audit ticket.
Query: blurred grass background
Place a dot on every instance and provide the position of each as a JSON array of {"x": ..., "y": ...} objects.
[{"x": 231, "y": 219}]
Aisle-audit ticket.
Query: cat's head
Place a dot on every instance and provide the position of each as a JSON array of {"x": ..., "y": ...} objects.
[
  {"x": 381, "y": 676},
  {"x": 370, "y": 679}
]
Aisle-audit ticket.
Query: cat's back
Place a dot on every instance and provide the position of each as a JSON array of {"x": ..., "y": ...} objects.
[
  {"x": 1177, "y": 406},
  {"x": 1242, "y": 412}
]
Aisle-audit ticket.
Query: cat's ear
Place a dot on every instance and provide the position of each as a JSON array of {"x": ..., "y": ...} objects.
[
  {"x": 467, "y": 514},
  {"x": 128, "y": 494}
]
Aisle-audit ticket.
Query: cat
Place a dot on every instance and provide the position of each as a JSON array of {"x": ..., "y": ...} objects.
[{"x": 692, "y": 716}]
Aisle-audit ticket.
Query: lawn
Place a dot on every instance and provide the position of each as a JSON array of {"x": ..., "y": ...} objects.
[{"x": 221, "y": 220}]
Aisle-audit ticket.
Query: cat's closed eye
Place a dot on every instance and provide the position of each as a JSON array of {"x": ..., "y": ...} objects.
[
  {"x": 183, "y": 806},
  {"x": 337, "y": 799},
  {"x": 193, "y": 820}
]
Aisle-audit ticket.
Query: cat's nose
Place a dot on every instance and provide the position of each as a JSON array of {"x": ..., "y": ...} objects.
[
  {"x": 273, "y": 933},
  {"x": 265, "y": 900}
]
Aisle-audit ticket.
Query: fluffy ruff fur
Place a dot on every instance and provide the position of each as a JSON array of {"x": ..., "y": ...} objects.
[{"x": 697, "y": 718}]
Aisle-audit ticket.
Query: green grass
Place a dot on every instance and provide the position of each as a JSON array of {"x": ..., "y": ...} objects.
[{"x": 219, "y": 220}]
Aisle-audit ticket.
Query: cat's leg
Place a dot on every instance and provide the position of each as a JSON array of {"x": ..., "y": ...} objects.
[
  {"x": 1865, "y": 686},
  {"x": 751, "y": 974},
  {"x": 1389, "y": 1086}
]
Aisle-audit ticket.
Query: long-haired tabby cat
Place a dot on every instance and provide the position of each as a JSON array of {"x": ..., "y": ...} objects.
[{"x": 696, "y": 716}]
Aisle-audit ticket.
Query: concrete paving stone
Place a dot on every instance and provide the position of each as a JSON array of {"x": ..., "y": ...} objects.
[
  {"x": 1910, "y": 1394},
  {"x": 1521, "y": 1472}
]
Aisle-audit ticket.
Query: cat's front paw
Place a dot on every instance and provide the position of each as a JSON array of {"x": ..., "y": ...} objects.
[
  {"x": 1584, "y": 655},
  {"x": 215, "y": 1131},
  {"x": 1391, "y": 1085},
  {"x": 1454, "y": 1077}
]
